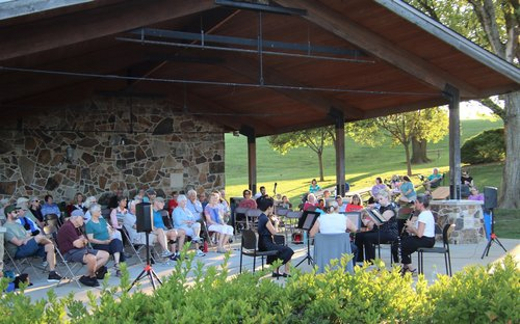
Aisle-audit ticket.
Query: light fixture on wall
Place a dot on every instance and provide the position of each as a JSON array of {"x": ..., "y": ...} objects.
[{"x": 236, "y": 133}]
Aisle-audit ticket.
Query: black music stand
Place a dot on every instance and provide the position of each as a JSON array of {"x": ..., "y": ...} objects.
[{"x": 305, "y": 223}]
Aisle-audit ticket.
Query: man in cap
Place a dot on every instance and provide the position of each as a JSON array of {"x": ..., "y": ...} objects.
[
  {"x": 150, "y": 196},
  {"x": 20, "y": 243}
]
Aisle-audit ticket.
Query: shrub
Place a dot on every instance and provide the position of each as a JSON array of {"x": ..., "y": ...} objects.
[
  {"x": 475, "y": 295},
  {"x": 485, "y": 147}
]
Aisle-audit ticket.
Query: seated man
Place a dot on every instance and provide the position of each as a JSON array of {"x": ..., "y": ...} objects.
[
  {"x": 20, "y": 243},
  {"x": 434, "y": 180},
  {"x": 165, "y": 236},
  {"x": 129, "y": 223},
  {"x": 73, "y": 247}
]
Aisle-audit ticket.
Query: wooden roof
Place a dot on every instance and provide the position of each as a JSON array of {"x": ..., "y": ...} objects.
[{"x": 397, "y": 60}]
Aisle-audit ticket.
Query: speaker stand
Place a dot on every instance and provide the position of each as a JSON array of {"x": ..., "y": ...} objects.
[
  {"x": 148, "y": 270},
  {"x": 493, "y": 237}
]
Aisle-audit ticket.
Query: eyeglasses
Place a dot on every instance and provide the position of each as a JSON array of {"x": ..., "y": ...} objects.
[{"x": 36, "y": 201}]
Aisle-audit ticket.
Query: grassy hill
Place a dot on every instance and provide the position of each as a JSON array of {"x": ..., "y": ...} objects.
[{"x": 294, "y": 171}]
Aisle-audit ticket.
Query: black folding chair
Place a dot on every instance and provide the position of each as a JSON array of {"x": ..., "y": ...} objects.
[
  {"x": 249, "y": 247},
  {"x": 445, "y": 249}
]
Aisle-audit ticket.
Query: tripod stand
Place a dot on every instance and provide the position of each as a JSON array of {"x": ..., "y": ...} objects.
[
  {"x": 492, "y": 237},
  {"x": 147, "y": 271},
  {"x": 308, "y": 257}
]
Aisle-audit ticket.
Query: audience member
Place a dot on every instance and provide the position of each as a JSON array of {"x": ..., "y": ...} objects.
[
  {"x": 117, "y": 215},
  {"x": 355, "y": 204},
  {"x": 475, "y": 195},
  {"x": 88, "y": 203},
  {"x": 74, "y": 248},
  {"x": 266, "y": 231},
  {"x": 466, "y": 179},
  {"x": 194, "y": 205},
  {"x": 184, "y": 220},
  {"x": 326, "y": 194},
  {"x": 422, "y": 233},
  {"x": 49, "y": 207},
  {"x": 311, "y": 203},
  {"x": 130, "y": 225},
  {"x": 29, "y": 225},
  {"x": 314, "y": 187},
  {"x": 260, "y": 194},
  {"x": 286, "y": 203},
  {"x": 203, "y": 200},
  {"x": 167, "y": 238},
  {"x": 247, "y": 202},
  {"x": 407, "y": 189},
  {"x": 35, "y": 209},
  {"x": 377, "y": 187},
  {"x": 21, "y": 244},
  {"x": 434, "y": 180},
  {"x": 77, "y": 204},
  {"x": 150, "y": 196},
  {"x": 341, "y": 206},
  {"x": 224, "y": 204},
  {"x": 172, "y": 203},
  {"x": 215, "y": 221},
  {"x": 23, "y": 204},
  {"x": 112, "y": 203},
  {"x": 99, "y": 233}
]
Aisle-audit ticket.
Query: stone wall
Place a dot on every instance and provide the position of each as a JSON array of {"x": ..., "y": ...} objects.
[
  {"x": 467, "y": 216},
  {"x": 105, "y": 143}
]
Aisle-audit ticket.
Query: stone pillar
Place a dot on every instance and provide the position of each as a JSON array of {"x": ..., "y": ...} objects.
[{"x": 467, "y": 215}]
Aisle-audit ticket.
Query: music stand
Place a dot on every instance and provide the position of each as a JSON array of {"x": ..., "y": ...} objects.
[
  {"x": 306, "y": 222},
  {"x": 354, "y": 217}
]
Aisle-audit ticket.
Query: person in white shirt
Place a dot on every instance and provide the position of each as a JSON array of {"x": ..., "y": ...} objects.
[{"x": 422, "y": 233}]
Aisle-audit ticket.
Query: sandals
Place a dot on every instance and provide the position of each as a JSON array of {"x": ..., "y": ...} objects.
[
  {"x": 405, "y": 270},
  {"x": 278, "y": 275}
]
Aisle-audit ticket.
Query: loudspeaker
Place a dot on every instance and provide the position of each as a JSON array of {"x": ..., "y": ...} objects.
[
  {"x": 144, "y": 217},
  {"x": 490, "y": 198}
]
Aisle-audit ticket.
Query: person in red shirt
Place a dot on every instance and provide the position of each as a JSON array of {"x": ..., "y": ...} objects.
[
  {"x": 355, "y": 204},
  {"x": 172, "y": 203},
  {"x": 247, "y": 202}
]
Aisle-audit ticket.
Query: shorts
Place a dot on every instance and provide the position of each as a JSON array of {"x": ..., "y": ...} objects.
[
  {"x": 29, "y": 249},
  {"x": 76, "y": 255}
]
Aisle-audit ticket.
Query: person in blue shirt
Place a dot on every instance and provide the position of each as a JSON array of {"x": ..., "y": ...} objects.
[
  {"x": 185, "y": 220},
  {"x": 50, "y": 207},
  {"x": 407, "y": 189},
  {"x": 434, "y": 180},
  {"x": 314, "y": 187},
  {"x": 166, "y": 237}
]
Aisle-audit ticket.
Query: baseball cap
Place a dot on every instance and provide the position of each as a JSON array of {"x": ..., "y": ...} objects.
[
  {"x": 9, "y": 209},
  {"x": 151, "y": 192},
  {"x": 21, "y": 200}
]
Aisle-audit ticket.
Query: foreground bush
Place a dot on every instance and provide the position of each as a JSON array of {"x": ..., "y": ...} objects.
[
  {"x": 485, "y": 147},
  {"x": 370, "y": 296}
]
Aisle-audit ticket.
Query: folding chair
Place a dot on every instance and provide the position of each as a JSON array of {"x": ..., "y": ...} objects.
[
  {"x": 445, "y": 249},
  {"x": 21, "y": 264},
  {"x": 249, "y": 247},
  {"x": 252, "y": 214},
  {"x": 240, "y": 211},
  {"x": 138, "y": 248},
  {"x": 51, "y": 232},
  {"x": 52, "y": 219}
]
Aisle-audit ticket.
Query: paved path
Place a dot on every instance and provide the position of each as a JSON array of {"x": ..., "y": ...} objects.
[{"x": 462, "y": 255}]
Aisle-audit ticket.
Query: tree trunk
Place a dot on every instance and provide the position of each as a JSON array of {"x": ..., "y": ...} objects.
[
  {"x": 320, "y": 159},
  {"x": 419, "y": 154},
  {"x": 408, "y": 162},
  {"x": 509, "y": 195}
]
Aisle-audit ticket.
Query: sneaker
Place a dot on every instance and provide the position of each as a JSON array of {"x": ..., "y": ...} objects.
[
  {"x": 118, "y": 272},
  {"x": 175, "y": 257},
  {"x": 45, "y": 264},
  {"x": 166, "y": 254},
  {"x": 89, "y": 281},
  {"x": 54, "y": 277},
  {"x": 196, "y": 240},
  {"x": 100, "y": 274},
  {"x": 199, "y": 253}
]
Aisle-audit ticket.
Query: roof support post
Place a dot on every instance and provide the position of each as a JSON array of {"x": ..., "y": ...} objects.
[
  {"x": 250, "y": 133},
  {"x": 453, "y": 95},
  {"x": 339, "y": 127}
]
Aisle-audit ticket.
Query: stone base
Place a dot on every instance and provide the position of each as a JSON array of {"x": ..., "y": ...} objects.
[{"x": 467, "y": 215}]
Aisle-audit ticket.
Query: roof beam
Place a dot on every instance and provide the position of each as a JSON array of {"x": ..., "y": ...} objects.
[
  {"x": 90, "y": 24},
  {"x": 336, "y": 23}
]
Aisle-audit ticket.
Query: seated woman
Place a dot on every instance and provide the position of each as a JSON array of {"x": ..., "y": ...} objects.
[
  {"x": 341, "y": 206},
  {"x": 99, "y": 233},
  {"x": 266, "y": 230},
  {"x": 379, "y": 186},
  {"x": 77, "y": 204},
  {"x": 311, "y": 203},
  {"x": 215, "y": 220},
  {"x": 185, "y": 220},
  {"x": 386, "y": 233},
  {"x": 247, "y": 202},
  {"x": 286, "y": 204},
  {"x": 422, "y": 233},
  {"x": 334, "y": 223},
  {"x": 475, "y": 195},
  {"x": 355, "y": 204},
  {"x": 117, "y": 215},
  {"x": 130, "y": 225},
  {"x": 407, "y": 189},
  {"x": 314, "y": 187}
]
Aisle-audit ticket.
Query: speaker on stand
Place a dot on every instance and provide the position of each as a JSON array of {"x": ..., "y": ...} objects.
[
  {"x": 490, "y": 203},
  {"x": 144, "y": 223}
]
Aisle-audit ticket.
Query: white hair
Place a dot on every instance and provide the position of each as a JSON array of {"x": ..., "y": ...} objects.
[
  {"x": 192, "y": 192},
  {"x": 89, "y": 201},
  {"x": 94, "y": 208},
  {"x": 181, "y": 198}
]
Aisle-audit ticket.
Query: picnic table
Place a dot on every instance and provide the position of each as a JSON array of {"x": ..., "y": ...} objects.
[{"x": 364, "y": 193}]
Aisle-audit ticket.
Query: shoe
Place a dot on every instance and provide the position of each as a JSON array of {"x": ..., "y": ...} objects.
[
  {"x": 54, "y": 277},
  {"x": 175, "y": 257},
  {"x": 118, "y": 272},
  {"x": 100, "y": 274},
  {"x": 166, "y": 254},
  {"x": 196, "y": 240},
  {"x": 89, "y": 281},
  {"x": 199, "y": 253},
  {"x": 286, "y": 275},
  {"x": 45, "y": 264},
  {"x": 276, "y": 275}
]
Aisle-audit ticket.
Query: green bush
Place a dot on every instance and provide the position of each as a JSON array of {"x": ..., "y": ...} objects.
[
  {"x": 485, "y": 147},
  {"x": 475, "y": 295}
]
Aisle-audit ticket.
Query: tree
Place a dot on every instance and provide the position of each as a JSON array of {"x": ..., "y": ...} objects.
[
  {"x": 316, "y": 139},
  {"x": 420, "y": 126},
  {"x": 494, "y": 25}
]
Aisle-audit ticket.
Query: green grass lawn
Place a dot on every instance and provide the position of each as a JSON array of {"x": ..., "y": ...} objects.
[{"x": 294, "y": 170}]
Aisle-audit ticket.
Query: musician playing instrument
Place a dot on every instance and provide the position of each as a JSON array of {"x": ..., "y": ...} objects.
[
  {"x": 422, "y": 233},
  {"x": 266, "y": 232},
  {"x": 384, "y": 233}
]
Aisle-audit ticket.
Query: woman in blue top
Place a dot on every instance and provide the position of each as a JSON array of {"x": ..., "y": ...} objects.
[
  {"x": 184, "y": 219},
  {"x": 266, "y": 230},
  {"x": 314, "y": 187},
  {"x": 407, "y": 189},
  {"x": 100, "y": 235}
]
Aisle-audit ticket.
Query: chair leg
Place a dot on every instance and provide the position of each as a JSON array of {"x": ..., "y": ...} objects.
[
  {"x": 419, "y": 262},
  {"x": 240, "y": 271},
  {"x": 254, "y": 263}
]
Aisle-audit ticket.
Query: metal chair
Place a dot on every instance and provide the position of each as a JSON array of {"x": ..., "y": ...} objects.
[
  {"x": 52, "y": 231},
  {"x": 240, "y": 211},
  {"x": 445, "y": 249},
  {"x": 52, "y": 219},
  {"x": 252, "y": 216},
  {"x": 21, "y": 264},
  {"x": 292, "y": 218},
  {"x": 249, "y": 247}
]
